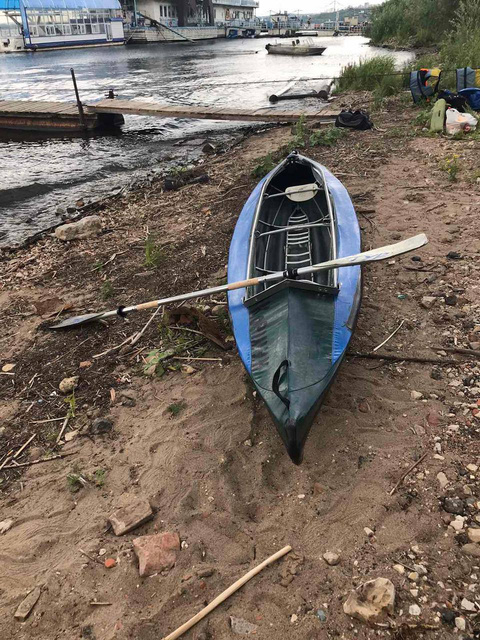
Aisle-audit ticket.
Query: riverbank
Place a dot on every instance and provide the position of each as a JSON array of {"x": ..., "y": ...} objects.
[{"x": 195, "y": 443}]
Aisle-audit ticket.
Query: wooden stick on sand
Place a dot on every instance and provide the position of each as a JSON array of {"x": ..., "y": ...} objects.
[{"x": 227, "y": 593}]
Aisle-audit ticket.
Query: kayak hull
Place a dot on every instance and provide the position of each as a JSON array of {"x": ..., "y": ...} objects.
[{"x": 292, "y": 337}]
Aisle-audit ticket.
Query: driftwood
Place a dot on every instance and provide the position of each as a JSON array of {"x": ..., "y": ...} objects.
[
  {"x": 409, "y": 470},
  {"x": 467, "y": 352},
  {"x": 29, "y": 464},
  {"x": 403, "y": 358}
]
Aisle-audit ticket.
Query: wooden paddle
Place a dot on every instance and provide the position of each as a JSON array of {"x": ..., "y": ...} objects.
[{"x": 374, "y": 255}]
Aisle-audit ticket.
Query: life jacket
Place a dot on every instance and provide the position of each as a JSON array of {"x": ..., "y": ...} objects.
[
  {"x": 424, "y": 83},
  {"x": 467, "y": 78}
]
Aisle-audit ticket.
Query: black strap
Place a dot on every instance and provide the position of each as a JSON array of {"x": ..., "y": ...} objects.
[
  {"x": 291, "y": 274},
  {"x": 121, "y": 312},
  {"x": 276, "y": 383}
]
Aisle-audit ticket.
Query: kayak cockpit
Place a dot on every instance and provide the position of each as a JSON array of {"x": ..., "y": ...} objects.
[{"x": 294, "y": 227}]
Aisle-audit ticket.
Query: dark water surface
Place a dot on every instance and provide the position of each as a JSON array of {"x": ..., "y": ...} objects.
[{"x": 37, "y": 175}]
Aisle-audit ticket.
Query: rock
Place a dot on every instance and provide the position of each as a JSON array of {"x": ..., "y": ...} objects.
[
  {"x": 85, "y": 364},
  {"x": 333, "y": 558},
  {"x": 454, "y": 505},
  {"x": 219, "y": 310},
  {"x": 460, "y": 623},
  {"x": 321, "y": 615},
  {"x": 467, "y": 605},
  {"x": 293, "y": 618},
  {"x": 110, "y": 563},
  {"x": 414, "y": 610},
  {"x": 419, "y": 430},
  {"x": 436, "y": 374},
  {"x": 472, "y": 467},
  {"x": 25, "y": 607},
  {"x": 420, "y": 569},
  {"x": 135, "y": 512},
  {"x": 413, "y": 576},
  {"x": 5, "y": 525},
  {"x": 471, "y": 549},
  {"x": 156, "y": 553},
  {"x": 399, "y": 568},
  {"x": 242, "y": 627},
  {"x": 448, "y": 616},
  {"x": 416, "y": 395},
  {"x": 71, "y": 435},
  {"x": 369, "y": 532},
  {"x": 442, "y": 479},
  {"x": 208, "y": 148},
  {"x": 128, "y": 398},
  {"x": 451, "y": 300},
  {"x": 101, "y": 425},
  {"x": 457, "y": 524},
  {"x": 454, "y": 255},
  {"x": 371, "y": 600},
  {"x": 206, "y": 572},
  {"x": 473, "y": 534},
  {"x": 186, "y": 368},
  {"x": 428, "y": 302},
  {"x": 67, "y": 385},
  {"x": 84, "y": 228}
]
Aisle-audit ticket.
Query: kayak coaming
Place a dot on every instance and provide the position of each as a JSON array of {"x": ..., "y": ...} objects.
[{"x": 345, "y": 305}]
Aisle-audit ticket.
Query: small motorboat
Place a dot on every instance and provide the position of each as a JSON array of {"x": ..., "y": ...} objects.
[
  {"x": 292, "y": 335},
  {"x": 295, "y": 48}
]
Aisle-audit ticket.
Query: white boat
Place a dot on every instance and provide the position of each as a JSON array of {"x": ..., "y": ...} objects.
[{"x": 295, "y": 48}]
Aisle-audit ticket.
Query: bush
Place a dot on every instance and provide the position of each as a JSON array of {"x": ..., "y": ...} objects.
[{"x": 375, "y": 74}]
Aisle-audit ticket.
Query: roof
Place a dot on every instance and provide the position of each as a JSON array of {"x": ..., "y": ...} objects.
[{"x": 11, "y": 5}]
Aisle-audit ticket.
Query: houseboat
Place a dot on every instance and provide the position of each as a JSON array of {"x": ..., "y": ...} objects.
[{"x": 36, "y": 25}]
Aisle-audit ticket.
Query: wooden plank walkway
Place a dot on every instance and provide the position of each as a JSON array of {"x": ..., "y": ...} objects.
[
  {"x": 35, "y": 109},
  {"x": 264, "y": 114}
]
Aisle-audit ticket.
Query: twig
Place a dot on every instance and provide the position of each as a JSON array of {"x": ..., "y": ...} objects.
[
  {"x": 410, "y": 469},
  {"x": 189, "y": 330},
  {"x": 226, "y": 594},
  {"x": 467, "y": 352},
  {"x": 24, "y": 446},
  {"x": 389, "y": 337},
  {"x": 48, "y": 420},
  {"x": 4, "y": 463},
  {"x": 89, "y": 557},
  {"x": 437, "y": 206},
  {"x": 140, "y": 333},
  {"x": 6, "y": 373},
  {"x": 202, "y": 359},
  {"x": 28, "y": 464},
  {"x": 64, "y": 426},
  {"x": 403, "y": 358},
  {"x": 118, "y": 346},
  {"x": 100, "y": 604},
  {"x": 403, "y": 565}
]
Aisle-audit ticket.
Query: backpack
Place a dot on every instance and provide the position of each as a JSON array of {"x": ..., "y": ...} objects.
[
  {"x": 424, "y": 84},
  {"x": 454, "y": 100},
  {"x": 354, "y": 120}
]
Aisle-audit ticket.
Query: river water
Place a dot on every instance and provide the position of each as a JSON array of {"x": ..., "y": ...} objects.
[{"x": 39, "y": 175}]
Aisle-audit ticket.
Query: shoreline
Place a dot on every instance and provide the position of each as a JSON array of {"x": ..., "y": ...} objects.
[{"x": 190, "y": 438}]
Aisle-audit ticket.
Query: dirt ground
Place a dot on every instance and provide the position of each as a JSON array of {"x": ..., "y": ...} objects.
[{"x": 204, "y": 452}]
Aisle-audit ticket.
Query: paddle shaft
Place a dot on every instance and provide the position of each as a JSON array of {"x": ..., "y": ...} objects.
[{"x": 374, "y": 255}]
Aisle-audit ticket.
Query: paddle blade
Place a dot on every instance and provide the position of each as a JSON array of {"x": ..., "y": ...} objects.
[
  {"x": 76, "y": 320},
  {"x": 389, "y": 251}
]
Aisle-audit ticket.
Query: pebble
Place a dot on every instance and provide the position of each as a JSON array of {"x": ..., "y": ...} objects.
[
  {"x": 472, "y": 467},
  {"x": 467, "y": 605},
  {"x": 454, "y": 505},
  {"x": 416, "y": 395},
  {"x": 25, "y": 607},
  {"x": 428, "y": 302},
  {"x": 414, "y": 610},
  {"x": 333, "y": 558},
  {"x": 473, "y": 534},
  {"x": 67, "y": 385},
  {"x": 471, "y": 549},
  {"x": 413, "y": 576},
  {"x": 321, "y": 615},
  {"x": 369, "y": 532},
  {"x": 420, "y": 569},
  {"x": 399, "y": 569},
  {"x": 293, "y": 618},
  {"x": 102, "y": 552},
  {"x": 110, "y": 563},
  {"x": 101, "y": 425},
  {"x": 414, "y": 592},
  {"x": 457, "y": 524},
  {"x": 460, "y": 623},
  {"x": 442, "y": 479},
  {"x": 242, "y": 627},
  {"x": 371, "y": 600},
  {"x": 134, "y": 512}
]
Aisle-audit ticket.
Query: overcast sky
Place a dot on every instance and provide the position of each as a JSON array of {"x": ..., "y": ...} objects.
[{"x": 305, "y": 6}]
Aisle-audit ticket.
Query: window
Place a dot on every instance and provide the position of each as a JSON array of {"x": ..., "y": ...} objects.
[
  {"x": 67, "y": 30},
  {"x": 161, "y": 10},
  {"x": 169, "y": 12}
]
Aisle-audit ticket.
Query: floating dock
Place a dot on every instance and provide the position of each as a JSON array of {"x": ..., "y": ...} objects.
[{"x": 30, "y": 115}]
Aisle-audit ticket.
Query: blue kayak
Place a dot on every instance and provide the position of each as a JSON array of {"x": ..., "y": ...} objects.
[{"x": 292, "y": 335}]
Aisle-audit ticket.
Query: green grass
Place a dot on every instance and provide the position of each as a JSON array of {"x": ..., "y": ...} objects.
[
  {"x": 99, "y": 477},
  {"x": 327, "y": 137},
  {"x": 107, "y": 290},
  {"x": 378, "y": 74},
  {"x": 264, "y": 165},
  {"x": 451, "y": 166},
  {"x": 176, "y": 407},
  {"x": 154, "y": 254}
]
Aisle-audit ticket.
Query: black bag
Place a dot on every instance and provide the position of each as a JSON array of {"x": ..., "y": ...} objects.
[
  {"x": 354, "y": 120},
  {"x": 454, "y": 100}
]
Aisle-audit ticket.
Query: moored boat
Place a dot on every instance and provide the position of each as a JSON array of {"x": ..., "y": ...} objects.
[
  {"x": 295, "y": 48},
  {"x": 292, "y": 335}
]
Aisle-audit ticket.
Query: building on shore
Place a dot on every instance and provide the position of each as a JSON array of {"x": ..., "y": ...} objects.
[
  {"x": 176, "y": 20},
  {"x": 33, "y": 25}
]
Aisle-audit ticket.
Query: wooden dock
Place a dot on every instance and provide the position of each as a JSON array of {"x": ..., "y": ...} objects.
[{"x": 34, "y": 115}]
